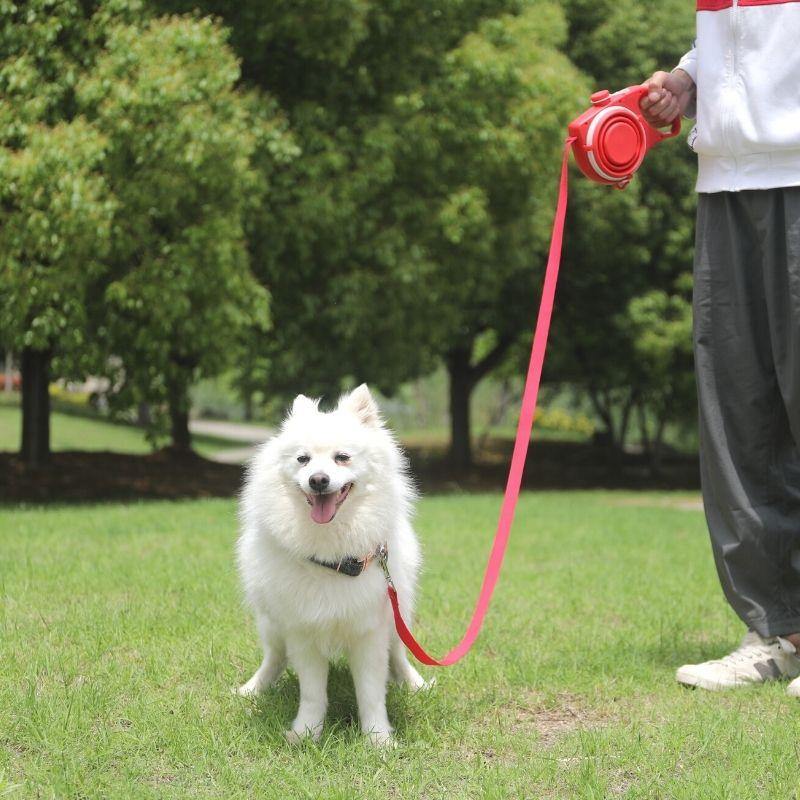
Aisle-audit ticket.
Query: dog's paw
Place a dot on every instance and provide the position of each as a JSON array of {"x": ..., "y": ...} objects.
[
  {"x": 416, "y": 683},
  {"x": 248, "y": 690},
  {"x": 383, "y": 740},
  {"x": 299, "y": 735}
]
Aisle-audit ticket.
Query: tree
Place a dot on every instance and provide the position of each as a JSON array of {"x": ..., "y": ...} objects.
[
  {"x": 181, "y": 141},
  {"x": 54, "y": 207},
  {"x": 662, "y": 330},
  {"x": 482, "y": 155},
  {"x": 44, "y": 47},
  {"x": 604, "y": 264},
  {"x": 422, "y": 197},
  {"x": 175, "y": 293},
  {"x": 349, "y": 284},
  {"x": 55, "y": 221},
  {"x": 623, "y": 245}
]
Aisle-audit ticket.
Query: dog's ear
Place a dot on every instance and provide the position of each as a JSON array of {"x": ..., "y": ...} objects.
[
  {"x": 361, "y": 403},
  {"x": 302, "y": 403}
]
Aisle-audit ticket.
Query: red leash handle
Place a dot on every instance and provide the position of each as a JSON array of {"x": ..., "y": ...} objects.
[{"x": 524, "y": 427}]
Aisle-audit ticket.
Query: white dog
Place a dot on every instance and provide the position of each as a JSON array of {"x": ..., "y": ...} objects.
[{"x": 320, "y": 499}]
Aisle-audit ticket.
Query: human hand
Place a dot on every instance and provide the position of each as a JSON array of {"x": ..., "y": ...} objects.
[{"x": 671, "y": 93}]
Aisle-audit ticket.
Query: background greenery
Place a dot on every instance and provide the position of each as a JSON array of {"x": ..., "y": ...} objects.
[{"x": 302, "y": 196}]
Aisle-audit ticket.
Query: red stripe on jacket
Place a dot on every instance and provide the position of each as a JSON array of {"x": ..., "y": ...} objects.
[
  {"x": 721, "y": 5},
  {"x": 765, "y": 2},
  {"x": 713, "y": 5}
]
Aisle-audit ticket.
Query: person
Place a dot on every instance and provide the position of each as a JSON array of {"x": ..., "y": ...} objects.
[{"x": 741, "y": 82}]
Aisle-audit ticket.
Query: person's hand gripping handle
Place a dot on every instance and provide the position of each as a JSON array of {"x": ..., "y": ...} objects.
[{"x": 670, "y": 95}]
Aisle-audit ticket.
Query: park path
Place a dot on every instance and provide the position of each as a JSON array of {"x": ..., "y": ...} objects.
[{"x": 247, "y": 435}]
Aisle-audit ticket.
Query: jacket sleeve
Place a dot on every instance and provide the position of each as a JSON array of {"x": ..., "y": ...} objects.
[{"x": 688, "y": 64}]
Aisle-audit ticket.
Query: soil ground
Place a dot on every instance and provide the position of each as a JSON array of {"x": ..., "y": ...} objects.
[{"x": 101, "y": 475}]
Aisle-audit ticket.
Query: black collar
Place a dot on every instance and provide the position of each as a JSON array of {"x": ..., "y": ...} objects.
[{"x": 350, "y": 565}]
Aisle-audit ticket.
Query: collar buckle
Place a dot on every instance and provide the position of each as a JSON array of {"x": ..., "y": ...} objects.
[{"x": 382, "y": 554}]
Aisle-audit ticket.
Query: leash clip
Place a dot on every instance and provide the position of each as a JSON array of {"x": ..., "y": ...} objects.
[{"x": 383, "y": 560}]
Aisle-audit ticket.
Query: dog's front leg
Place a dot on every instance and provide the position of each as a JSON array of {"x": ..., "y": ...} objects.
[
  {"x": 312, "y": 671},
  {"x": 273, "y": 663},
  {"x": 369, "y": 663}
]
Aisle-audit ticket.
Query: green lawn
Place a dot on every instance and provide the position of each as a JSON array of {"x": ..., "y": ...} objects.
[
  {"x": 71, "y": 432},
  {"x": 122, "y": 634}
]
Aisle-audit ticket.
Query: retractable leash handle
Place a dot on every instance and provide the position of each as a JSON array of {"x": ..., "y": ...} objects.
[
  {"x": 612, "y": 137},
  {"x": 610, "y": 140}
]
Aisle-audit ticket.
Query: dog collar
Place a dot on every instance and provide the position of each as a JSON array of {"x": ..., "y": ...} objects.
[{"x": 350, "y": 565}]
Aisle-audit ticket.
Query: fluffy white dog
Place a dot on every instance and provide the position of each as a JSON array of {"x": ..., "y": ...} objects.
[{"x": 320, "y": 499}]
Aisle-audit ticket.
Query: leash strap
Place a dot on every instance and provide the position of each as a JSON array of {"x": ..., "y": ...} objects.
[{"x": 524, "y": 427}]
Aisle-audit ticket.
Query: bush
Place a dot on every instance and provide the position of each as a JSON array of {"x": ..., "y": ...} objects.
[{"x": 559, "y": 419}]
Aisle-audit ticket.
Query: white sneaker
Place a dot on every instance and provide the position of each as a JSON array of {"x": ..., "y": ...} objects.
[{"x": 756, "y": 660}]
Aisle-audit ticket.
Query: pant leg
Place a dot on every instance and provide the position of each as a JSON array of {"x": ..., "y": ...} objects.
[
  {"x": 778, "y": 223},
  {"x": 747, "y": 450}
]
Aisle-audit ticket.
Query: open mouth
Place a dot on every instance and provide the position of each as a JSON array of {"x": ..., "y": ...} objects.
[{"x": 325, "y": 506}]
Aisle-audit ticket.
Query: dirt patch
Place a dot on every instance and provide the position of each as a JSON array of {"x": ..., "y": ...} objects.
[
  {"x": 621, "y": 781},
  {"x": 546, "y": 719},
  {"x": 552, "y": 719},
  {"x": 161, "y": 779},
  {"x": 549, "y": 724}
]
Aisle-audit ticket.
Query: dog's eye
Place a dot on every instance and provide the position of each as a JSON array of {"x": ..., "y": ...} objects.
[
  {"x": 341, "y": 458},
  {"x": 304, "y": 459}
]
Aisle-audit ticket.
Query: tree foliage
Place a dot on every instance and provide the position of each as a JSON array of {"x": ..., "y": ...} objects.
[
  {"x": 130, "y": 161},
  {"x": 383, "y": 171},
  {"x": 624, "y": 245},
  {"x": 180, "y": 145},
  {"x": 55, "y": 222},
  {"x": 349, "y": 279},
  {"x": 482, "y": 152},
  {"x": 55, "y": 207},
  {"x": 661, "y": 324},
  {"x": 422, "y": 197}
]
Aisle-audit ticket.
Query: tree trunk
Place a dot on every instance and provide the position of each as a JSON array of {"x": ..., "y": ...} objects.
[
  {"x": 658, "y": 447},
  {"x": 461, "y": 385},
  {"x": 143, "y": 416},
  {"x": 606, "y": 437},
  {"x": 35, "y": 446},
  {"x": 625, "y": 420},
  {"x": 643, "y": 431},
  {"x": 179, "y": 416}
]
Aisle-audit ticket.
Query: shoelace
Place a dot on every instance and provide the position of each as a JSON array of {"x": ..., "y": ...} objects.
[{"x": 752, "y": 652}]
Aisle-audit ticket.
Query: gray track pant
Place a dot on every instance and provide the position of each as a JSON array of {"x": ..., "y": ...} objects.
[{"x": 747, "y": 358}]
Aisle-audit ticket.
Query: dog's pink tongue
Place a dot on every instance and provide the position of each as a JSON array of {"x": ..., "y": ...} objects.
[{"x": 323, "y": 507}]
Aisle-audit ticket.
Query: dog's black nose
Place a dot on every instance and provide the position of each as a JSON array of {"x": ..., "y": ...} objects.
[{"x": 319, "y": 481}]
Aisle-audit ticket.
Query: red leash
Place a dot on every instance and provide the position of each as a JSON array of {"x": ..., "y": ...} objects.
[
  {"x": 611, "y": 139},
  {"x": 521, "y": 442}
]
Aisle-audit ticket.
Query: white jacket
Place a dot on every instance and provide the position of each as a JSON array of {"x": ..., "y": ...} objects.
[{"x": 746, "y": 65}]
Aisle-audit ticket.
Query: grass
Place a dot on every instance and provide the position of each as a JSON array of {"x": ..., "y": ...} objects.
[
  {"x": 78, "y": 432},
  {"x": 71, "y": 432},
  {"x": 122, "y": 634}
]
